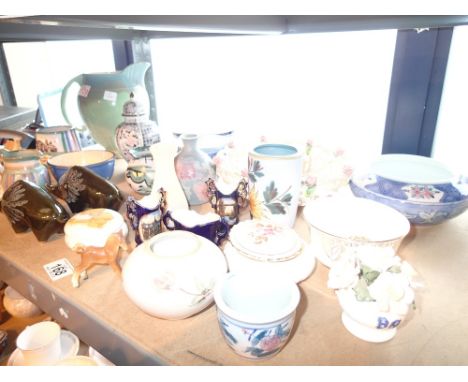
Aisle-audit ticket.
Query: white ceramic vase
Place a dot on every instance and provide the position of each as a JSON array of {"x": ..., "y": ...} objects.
[
  {"x": 173, "y": 274},
  {"x": 275, "y": 172}
]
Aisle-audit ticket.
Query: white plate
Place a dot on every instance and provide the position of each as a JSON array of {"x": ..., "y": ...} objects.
[
  {"x": 70, "y": 346},
  {"x": 298, "y": 268}
]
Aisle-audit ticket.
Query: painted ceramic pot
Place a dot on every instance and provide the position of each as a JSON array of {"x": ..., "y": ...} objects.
[
  {"x": 145, "y": 217},
  {"x": 264, "y": 247},
  {"x": 22, "y": 164},
  {"x": 136, "y": 131},
  {"x": 365, "y": 320},
  {"x": 58, "y": 139},
  {"x": 172, "y": 275},
  {"x": 275, "y": 182},
  {"x": 210, "y": 225},
  {"x": 256, "y": 314},
  {"x": 424, "y": 190},
  {"x": 193, "y": 168},
  {"x": 101, "y": 97}
]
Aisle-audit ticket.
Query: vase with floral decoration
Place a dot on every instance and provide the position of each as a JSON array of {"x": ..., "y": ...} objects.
[{"x": 193, "y": 168}]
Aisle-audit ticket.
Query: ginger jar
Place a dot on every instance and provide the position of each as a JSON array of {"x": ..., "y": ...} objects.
[{"x": 173, "y": 274}]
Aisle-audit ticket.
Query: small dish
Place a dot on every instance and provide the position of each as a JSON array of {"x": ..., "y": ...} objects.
[{"x": 69, "y": 342}]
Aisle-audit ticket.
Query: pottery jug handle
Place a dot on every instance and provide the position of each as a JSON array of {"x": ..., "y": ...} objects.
[
  {"x": 168, "y": 221},
  {"x": 68, "y": 88}
]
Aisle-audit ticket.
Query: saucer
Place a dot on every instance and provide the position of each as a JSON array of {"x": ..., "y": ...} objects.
[
  {"x": 70, "y": 346},
  {"x": 298, "y": 268}
]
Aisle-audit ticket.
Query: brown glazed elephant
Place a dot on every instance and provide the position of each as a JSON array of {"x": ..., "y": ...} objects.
[
  {"x": 81, "y": 188},
  {"x": 29, "y": 206}
]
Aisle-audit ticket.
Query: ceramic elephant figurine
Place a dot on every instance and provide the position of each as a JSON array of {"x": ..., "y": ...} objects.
[
  {"x": 81, "y": 188},
  {"x": 29, "y": 206}
]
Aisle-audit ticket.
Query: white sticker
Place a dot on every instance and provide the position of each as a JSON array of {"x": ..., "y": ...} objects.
[
  {"x": 110, "y": 96},
  {"x": 59, "y": 269}
]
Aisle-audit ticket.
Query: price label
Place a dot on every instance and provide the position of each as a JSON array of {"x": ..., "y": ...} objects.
[
  {"x": 110, "y": 96},
  {"x": 59, "y": 269},
  {"x": 84, "y": 91}
]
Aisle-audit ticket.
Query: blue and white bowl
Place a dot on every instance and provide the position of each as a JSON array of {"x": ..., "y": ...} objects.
[{"x": 421, "y": 188}]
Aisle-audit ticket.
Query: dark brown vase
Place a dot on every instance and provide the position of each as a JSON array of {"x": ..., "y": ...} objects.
[{"x": 29, "y": 206}]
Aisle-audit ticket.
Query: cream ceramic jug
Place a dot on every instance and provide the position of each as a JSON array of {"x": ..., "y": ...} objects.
[{"x": 100, "y": 99}]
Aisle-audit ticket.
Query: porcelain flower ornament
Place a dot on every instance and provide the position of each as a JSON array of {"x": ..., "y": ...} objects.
[{"x": 375, "y": 289}]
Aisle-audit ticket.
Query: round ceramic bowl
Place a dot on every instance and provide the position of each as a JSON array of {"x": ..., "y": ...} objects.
[
  {"x": 421, "y": 188},
  {"x": 172, "y": 275},
  {"x": 256, "y": 313},
  {"x": 338, "y": 223},
  {"x": 19, "y": 306},
  {"x": 100, "y": 161},
  {"x": 365, "y": 320}
]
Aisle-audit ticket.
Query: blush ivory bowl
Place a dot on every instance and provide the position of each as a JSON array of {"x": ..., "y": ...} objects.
[
  {"x": 256, "y": 312},
  {"x": 99, "y": 161},
  {"x": 340, "y": 222},
  {"x": 421, "y": 188},
  {"x": 172, "y": 275}
]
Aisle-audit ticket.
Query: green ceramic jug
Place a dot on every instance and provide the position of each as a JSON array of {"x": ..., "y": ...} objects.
[{"x": 100, "y": 98}]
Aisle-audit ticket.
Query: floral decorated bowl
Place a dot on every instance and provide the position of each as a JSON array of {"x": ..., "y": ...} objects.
[
  {"x": 256, "y": 313},
  {"x": 341, "y": 222},
  {"x": 423, "y": 189},
  {"x": 173, "y": 274},
  {"x": 99, "y": 161}
]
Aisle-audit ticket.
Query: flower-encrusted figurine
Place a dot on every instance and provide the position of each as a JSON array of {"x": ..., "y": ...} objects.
[{"x": 375, "y": 289}]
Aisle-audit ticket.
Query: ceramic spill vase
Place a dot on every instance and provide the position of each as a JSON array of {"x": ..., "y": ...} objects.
[
  {"x": 100, "y": 98},
  {"x": 172, "y": 275},
  {"x": 136, "y": 131},
  {"x": 145, "y": 217},
  {"x": 193, "y": 168},
  {"x": 275, "y": 182},
  {"x": 22, "y": 164}
]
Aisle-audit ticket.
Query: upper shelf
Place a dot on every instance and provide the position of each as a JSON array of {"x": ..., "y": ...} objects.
[{"x": 127, "y": 27}]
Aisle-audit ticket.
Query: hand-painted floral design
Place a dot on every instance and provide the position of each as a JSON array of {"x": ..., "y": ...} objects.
[
  {"x": 264, "y": 231},
  {"x": 168, "y": 281},
  {"x": 14, "y": 201},
  {"x": 261, "y": 342},
  {"x": 422, "y": 192},
  {"x": 272, "y": 203},
  {"x": 255, "y": 170},
  {"x": 72, "y": 183}
]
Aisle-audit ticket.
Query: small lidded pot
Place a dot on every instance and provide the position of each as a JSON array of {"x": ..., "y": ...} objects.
[
  {"x": 172, "y": 275},
  {"x": 256, "y": 312},
  {"x": 22, "y": 164}
]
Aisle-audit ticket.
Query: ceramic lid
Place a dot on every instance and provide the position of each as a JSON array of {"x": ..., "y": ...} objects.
[
  {"x": 133, "y": 108},
  {"x": 265, "y": 240}
]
